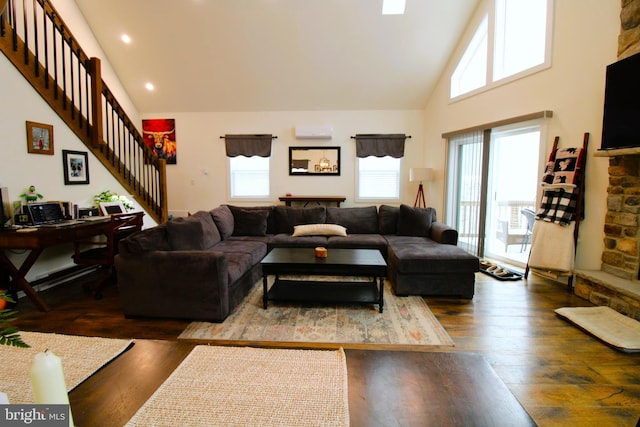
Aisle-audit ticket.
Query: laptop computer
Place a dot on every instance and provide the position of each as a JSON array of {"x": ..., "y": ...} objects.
[{"x": 47, "y": 214}]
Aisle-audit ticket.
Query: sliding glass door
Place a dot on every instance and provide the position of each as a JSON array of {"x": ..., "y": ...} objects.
[{"x": 493, "y": 179}]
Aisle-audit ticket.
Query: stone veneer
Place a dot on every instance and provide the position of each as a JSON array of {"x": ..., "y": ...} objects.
[
  {"x": 616, "y": 284},
  {"x": 629, "y": 38},
  {"x": 620, "y": 255}
]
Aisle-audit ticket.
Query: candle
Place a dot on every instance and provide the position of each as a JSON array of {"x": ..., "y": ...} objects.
[{"x": 47, "y": 381}]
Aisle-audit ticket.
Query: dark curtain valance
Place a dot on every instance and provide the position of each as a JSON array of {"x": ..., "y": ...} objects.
[
  {"x": 380, "y": 145},
  {"x": 248, "y": 145}
]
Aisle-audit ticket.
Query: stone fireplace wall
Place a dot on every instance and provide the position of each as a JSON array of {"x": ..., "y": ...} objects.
[
  {"x": 622, "y": 240},
  {"x": 629, "y": 38},
  {"x": 615, "y": 284}
]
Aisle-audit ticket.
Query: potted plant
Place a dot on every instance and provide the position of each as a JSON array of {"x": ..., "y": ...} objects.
[
  {"x": 109, "y": 196},
  {"x": 9, "y": 334}
]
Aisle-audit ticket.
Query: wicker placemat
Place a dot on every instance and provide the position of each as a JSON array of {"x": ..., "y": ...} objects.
[
  {"x": 243, "y": 386},
  {"x": 81, "y": 357}
]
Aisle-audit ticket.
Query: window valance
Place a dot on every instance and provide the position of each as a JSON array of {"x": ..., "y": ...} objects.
[
  {"x": 380, "y": 145},
  {"x": 248, "y": 145}
]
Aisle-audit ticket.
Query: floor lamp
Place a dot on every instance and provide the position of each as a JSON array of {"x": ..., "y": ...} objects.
[{"x": 419, "y": 175}]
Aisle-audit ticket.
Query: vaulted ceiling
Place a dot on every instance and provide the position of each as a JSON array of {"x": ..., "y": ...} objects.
[{"x": 277, "y": 55}]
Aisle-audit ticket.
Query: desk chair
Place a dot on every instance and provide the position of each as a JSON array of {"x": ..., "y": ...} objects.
[{"x": 102, "y": 251}]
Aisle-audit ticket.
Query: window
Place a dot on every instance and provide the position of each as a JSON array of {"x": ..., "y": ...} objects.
[
  {"x": 378, "y": 178},
  {"x": 249, "y": 177},
  {"x": 471, "y": 72},
  {"x": 519, "y": 40}
]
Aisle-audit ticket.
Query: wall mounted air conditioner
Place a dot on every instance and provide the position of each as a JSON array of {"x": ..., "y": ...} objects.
[{"x": 314, "y": 132}]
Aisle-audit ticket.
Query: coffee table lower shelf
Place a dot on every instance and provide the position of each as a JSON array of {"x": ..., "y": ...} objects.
[{"x": 326, "y": 292}]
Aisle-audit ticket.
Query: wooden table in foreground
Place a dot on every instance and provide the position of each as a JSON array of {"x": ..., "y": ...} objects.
[
  {"x": 385, "y": 388},
  {"x": 313, "y": 199}
]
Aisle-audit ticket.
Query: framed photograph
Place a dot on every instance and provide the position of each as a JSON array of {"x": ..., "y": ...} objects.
[
  {"x": 110, "y": 208},
  {"x": 76, "y": 167},
  {"x": 39, "y": 138}
]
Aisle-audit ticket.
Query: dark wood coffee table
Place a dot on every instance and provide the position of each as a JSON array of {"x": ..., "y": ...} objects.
[{"x": 339, "y": 262}]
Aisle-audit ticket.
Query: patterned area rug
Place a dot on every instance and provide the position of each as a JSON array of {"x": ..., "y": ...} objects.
[
  {"x": 243, "y": 386},
  {"x": 406, "y": 323},
  {"x": 80, "y": 356}
]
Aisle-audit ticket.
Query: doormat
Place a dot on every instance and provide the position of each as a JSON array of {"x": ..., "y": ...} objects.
[{"x": 606, "y": 324}]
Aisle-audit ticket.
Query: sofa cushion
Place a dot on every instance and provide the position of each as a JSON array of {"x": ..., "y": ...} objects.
[
  {"x": 151, "y": 239},
  {"x": 287, "y": 217},
  {"x": 419, "y": 255},
  {"x": 249, "y": 222},
  {"x": 286, "y": 240},
  {"x": 319, "y": 230},
  {"x": 359, "y": 241},
  {"x": 255, "y": 250},
  {"x": 415, "y": 221},
  {"x": 388, "y": 219},
  {"x": 195, "y": 232},
  {"x": 357, "y": 220},
  {"x": 223, "y": 218},
  {"x": 269, "y": 209}
]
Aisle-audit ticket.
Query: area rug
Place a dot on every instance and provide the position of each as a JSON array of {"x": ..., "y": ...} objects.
[
  {"x": 606, "y": 324},
  {"x": 406, "y": 323},
  {"x": 80, "y": 356},
  {"x": 244, "y": 386}
]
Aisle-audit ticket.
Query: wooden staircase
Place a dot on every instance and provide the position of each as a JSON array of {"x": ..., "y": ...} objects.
[{"x": 36, "y": 40}]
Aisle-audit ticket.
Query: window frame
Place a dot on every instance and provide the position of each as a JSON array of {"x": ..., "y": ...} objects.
[
  {"x": 254, "y": 197},
  {"x": 490, "y": 83},
  {"x": 397, "y": 198}
]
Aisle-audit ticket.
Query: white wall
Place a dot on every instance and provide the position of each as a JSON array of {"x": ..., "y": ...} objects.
[
  {"x": 584, "y": 42},
  {"x": 199, "y": 179},
  {"x": 19, "y": 169}
]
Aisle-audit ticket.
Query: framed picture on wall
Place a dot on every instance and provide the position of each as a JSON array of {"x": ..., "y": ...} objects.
[
  {"x": 39, "y": 138},
  {"x": 76, "y": 167}
]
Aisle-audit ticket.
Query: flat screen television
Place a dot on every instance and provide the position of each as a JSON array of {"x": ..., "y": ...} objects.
[{"x": 621, "y": 121}]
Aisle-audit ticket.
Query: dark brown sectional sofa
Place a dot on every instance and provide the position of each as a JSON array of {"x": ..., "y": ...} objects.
[{"x": 202, "y": 266}]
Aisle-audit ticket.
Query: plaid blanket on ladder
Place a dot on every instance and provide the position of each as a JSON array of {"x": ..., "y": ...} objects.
[
  {"x": 561, "y": 176},
  {"x": 558, "y": 205}
]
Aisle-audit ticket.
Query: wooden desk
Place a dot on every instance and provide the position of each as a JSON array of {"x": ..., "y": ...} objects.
[
  {"x": 36, "y": 242},
  {"x": 317, "y": 199},
  {"x": 385, "y": 388}
]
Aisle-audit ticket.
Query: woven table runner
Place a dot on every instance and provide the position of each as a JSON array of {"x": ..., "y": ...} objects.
[
  {"x": 81, "y": 357},
  {"x": 243, "y": 386}
]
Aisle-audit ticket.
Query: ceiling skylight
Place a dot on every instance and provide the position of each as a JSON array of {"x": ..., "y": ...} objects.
[{"x": 393, "y": 7}]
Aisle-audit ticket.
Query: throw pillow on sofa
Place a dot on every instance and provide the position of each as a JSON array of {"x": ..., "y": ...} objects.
[
  {"x": 319, "y": 230},
  {"x": 249, "y": 222},
  {"x": 223, "y": 218},
  {"x": 388, "y": 219},
  {"x": 357, "y": 220},
  {"x": 287, "y": 217},
  {"x": 415, "y": 221},
  {"x": 195, "y": 232}
]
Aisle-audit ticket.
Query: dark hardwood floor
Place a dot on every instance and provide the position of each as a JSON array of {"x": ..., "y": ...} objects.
[{"x": 560, "y": 375}]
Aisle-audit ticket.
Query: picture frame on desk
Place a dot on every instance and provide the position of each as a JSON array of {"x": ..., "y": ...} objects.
[
  {"x": 39, "y": 138},
  {"x": 76, "y": 167},
  {"x": 110, "y": 208}
]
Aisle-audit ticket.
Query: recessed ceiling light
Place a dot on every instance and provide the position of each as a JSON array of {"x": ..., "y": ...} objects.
[
  {"x": 393, "y": 7},
  {"x": 149, "y": 86},
  {"x": 125, "y": 38}
]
